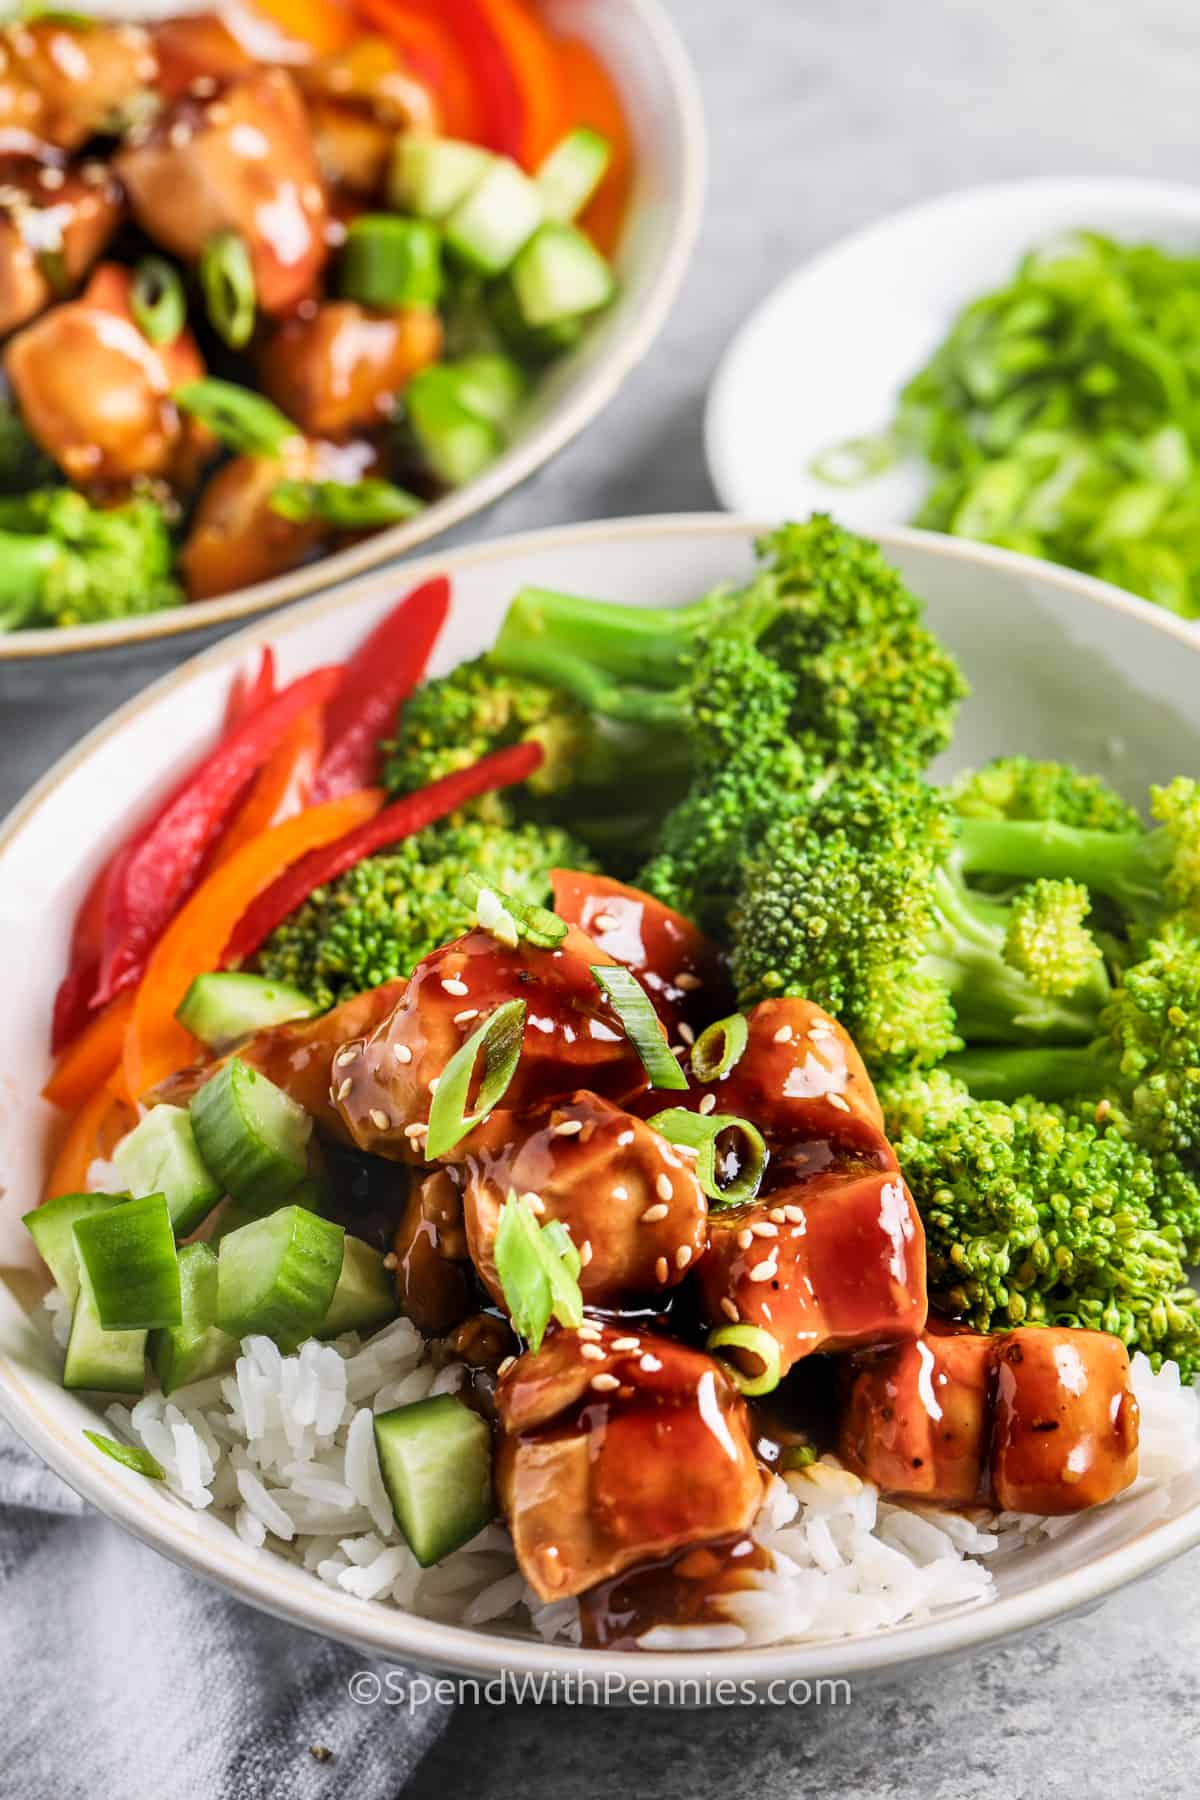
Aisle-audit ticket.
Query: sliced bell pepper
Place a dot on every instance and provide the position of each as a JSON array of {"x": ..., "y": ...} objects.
[
  {"x": 91, "y": 1057},
  {"x": 381, "y": 674},
  {"x": 592, "y": 99},
  {"x": 436, "y": 58},
  {"x": 249, "y": 692},
  {"x": 156, "y": 1044},
  {"x": 283, "y": 785},
  {"x": 159, "y": 867},
  {"x": 481, "y": 49},
  {"x": 532, "y": 56},
  {"x": 321, "y": 24},
  {"x": 404, "y": 818},
  {"x": 93, "y": 1133}
]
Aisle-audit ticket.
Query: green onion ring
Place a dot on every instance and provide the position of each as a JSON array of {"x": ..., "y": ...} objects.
[
  {"x": 349, "y": 506},
  {"x": 157, "y": 301},
  {"x": 855, "y": 460},
  {"x": 538, "y": 1269},
  {"x": 244, "y": 422},
  {"x": 128, "y": 1455},
  {"x": 759, "y": 1343},
  {"x": 499, "y": 1038},
  {"x": 718, "y": 1047},
  {"x": 511, "y": 920},
  {"x": 641, "y": 1024},
  {"x": 227, "y": 282},
  {"x": 700, "y": 1132},
  {"x": 390, "y": 262}
]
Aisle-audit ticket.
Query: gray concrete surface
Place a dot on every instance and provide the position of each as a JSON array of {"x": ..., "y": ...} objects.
[{"x": 823, "y": 116}]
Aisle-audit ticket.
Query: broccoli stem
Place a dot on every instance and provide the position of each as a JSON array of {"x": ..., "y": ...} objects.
[
  {"x": 1004, "y": 1073},
  {"x": 1127, "y": 866}
]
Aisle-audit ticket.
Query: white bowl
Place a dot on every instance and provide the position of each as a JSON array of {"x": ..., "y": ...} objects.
[
  {"x": 825, "y": 356},
  {"x": 639, "y": 45},
  {"x": 1061, "y": 666}
]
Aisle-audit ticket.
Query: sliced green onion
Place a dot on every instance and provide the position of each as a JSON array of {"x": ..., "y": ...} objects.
[
  {"x": 156, "y": 300},
  {"x": 797, "y": 1456},
  {"x": 52, "y": 263},
  {"x": 227, "y": 282},
  {"x": 641, "y": 1024},
  {"x": 702, "y": 1133},
  {"x": 499, "y": 1038},
  {"x": 349, "y": 506},
  {"x": 510, "y": 920},
  {"x": 718, "y": 1048},
  {"x": 389, "y": 262},
  {"x": 245, "y": 422},
  {"x": 538, "y": 1268},
  {"x": 753, "y": 1341},
  {"x": 128, "y": 1455},
  {"x": 855, "y": 459}
]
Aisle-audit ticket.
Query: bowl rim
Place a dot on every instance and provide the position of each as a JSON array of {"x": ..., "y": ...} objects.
[
  {"x": 275, "y": 1585},
  {"x": 1177, "y": 200},
  {"x": 578, "y": 408}
]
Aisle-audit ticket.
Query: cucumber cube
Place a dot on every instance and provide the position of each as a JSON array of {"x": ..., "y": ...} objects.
[{"x": 501, "y": 213}]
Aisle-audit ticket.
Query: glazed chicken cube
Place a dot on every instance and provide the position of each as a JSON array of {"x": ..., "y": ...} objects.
[
  {"x": 340, "y": 369},
  {"x": 240, "y": 160},
  {"x": 572, "y": 1039},
  {"x": 632, "y": 1204},
  {"x": 195, "y": 50},
  {"x": 371, "y": 76},
  {"x": 1039, "y": 1420},
  {"x": 432, "y": 1272},
  {"x": 54, "y": 223},
  {"x": 836, "y": 1263},
  {"x": 60, "y": 82},
  {"x": 96, "y": 394},
  {"x": 617, "y": 1447}
]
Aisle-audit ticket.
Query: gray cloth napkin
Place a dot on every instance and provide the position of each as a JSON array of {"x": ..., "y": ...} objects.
[{"x": 126, "y": 1678}]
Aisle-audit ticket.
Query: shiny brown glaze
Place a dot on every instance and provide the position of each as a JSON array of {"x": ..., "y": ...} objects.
[
  {"x": 1039, "y": 1420},
  {"x": 337, "y": 369},
  {"x": 240, "y": 160},
  {"x": 833, "y": 1264},
  {"x": 432, "y": 1271},
  {"x": 682, "y": 1590},
  {"x": 61, "y": 82},
  {"x": 572, "y": 1039},
  {"x": 632, "y": 1204},
  {"x": 614, "y": 1459},
  {"x": 54, "y": 223}
]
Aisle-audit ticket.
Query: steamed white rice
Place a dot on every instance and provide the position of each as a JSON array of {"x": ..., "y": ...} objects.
[{"x": 283, "y": 1449}]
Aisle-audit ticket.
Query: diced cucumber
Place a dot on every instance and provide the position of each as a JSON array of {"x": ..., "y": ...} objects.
[
  {"x": 365, "y": 1296},
  {"x": 430, "y": 175},
  {"x": 500, "y": 213},
  {"x": 52, "y": 1228},
  {"x": 197, "y": 1346},
  {"x": 252, "y": 1135},
  {"x": 560, "y": 275},
  {"x": 534, "y": 345},
  {"x": 436, "y": 1460},
  {"x": 220, "y": 1009},
  {"x": 456, "y": 443},
  {"x": 572, "y": 172},
  {"x": 160, "y": 1157},
  {"x": 106, "y": 1362},
  {"x": 391, "y": 262},
  {"x": 489, "y": 384},
  {"x": 278, "y": 1276},
  {"x": 129, "y": 1264}
]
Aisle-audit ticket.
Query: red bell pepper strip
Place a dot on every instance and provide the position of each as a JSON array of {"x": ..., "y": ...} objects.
[
  {"x": 159, "y": 867},
  {"x": 249, "y": 692},
  {"x": 403, "y": 819},
  {"x": 502, "y": 120},
  {"x": 383, "y": 671}
]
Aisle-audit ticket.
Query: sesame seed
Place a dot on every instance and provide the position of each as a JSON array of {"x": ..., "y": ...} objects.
[
  {"x": 379, "y": 1119},
  {"x": 624, "y": 1139},
  {"x": 605, "y": 922},
  {"x": 402, "y": 1053},
  {"x": 686, "y": 1032},
  {"x": 585, "y": 1253},
  {"x": 793, "y": 1214},
  {"x": 729, "y": 1309},
  {"x": 509, "y": 1362},
  {"x": 763, "y": 1271},
  {"x": 683, "y": 1256},
  {"x": 745, "y": 1238},
  {"x": 686, "y": 981},
  {"x": 650, "y": 1364},
  {"x": 415, "y": 1131},
  {"x": 391, "y": 1260},
  {"x": 218, "y": 114},
  {"x": 604, "y": 1384},
  {"x": 453, "y": 985},
  {"x": 661, "y": 1271},
  {"x": 179, "y": 135},
  {"x": 433, "y": 1085},
  {"x": 777, "y": 1215},
  {"x": 663, "y": 1188},
  {"x": 312, "y": 196},
  {"x": 95, "y": 174},
  {"x": 204, "y": 87},
  {"x": 589, "y": 1331},
  {"x": 345, "y": 1088},
  {"x": 593, "y": 1352},
  {"x": 653, "y": 1213},
  {"x": 620, "y": 1192},
  {"x": 567, "y": 1127},
  {"x": 837, "y": 1100},
  {"x": 784, "y": 1035},
  {"x": 764, "y": 1228},
  {"x": 464, "y": 1018},
  {"x": 534, "y": 1200},
  {"x": 626, "y": 1343},
  {"x": 51, "y": 178},
  {"x": 708, "y": 1104},
  {"x": 346, "y": 1054}
]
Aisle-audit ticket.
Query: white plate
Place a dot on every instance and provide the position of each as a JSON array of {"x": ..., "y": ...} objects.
[
  {"x": 824, "y": 358},
  {"x": 1060, "y": 665},
  {"x": 639, "y": 45}
]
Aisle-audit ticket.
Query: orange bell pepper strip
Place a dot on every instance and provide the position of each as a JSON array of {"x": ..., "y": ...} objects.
[
  {"x": 281, "y": 787},
  {"x": 156, "y": 1044},
  {"x": 532, "y": 55},
  {"x": 101, "y": 1121},
  {"x": 592, "y": 99},
  {"x": 321, "y": 24},
  {"x": 92, "y": 1057}
]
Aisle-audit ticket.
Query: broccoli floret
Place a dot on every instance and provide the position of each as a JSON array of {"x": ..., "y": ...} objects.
[
  {"x": 66, "y": 562},
  {"x": 380, "y": 918},
  {"x": 856, "y": 902},
  {"x": 23, "y": 464},
  {"x": 1047, "y": 938},
  {"x": 1038, "y": 1214},
  {"x": 453, "y": 720},
  {"x": 1016, "y": 787}
]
